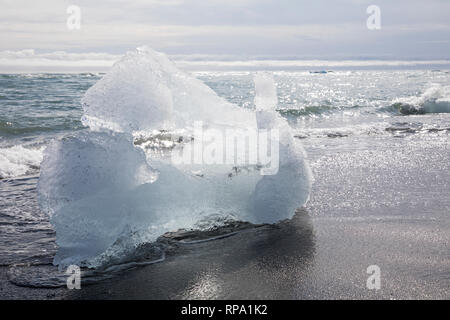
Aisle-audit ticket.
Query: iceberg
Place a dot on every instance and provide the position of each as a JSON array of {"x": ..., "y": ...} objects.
[{"x": 107, "y": 192}]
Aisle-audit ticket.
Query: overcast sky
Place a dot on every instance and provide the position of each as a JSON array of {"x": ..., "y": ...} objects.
[{"x": 322, "y": 29}]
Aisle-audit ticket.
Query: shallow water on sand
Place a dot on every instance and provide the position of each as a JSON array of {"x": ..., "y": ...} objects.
[{"x": 380, "y": 197}]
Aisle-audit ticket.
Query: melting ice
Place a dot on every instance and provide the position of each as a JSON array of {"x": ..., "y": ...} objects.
[{"x": 105, "y": 195}]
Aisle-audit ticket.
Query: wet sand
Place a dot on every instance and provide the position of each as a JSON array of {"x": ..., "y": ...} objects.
[
  {"x": 381, "y": 202},
  {"x": 300, "y": 259},
  {"x": 297, "y": 260}
]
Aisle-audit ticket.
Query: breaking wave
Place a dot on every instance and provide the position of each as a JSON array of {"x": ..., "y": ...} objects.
[
  {"x": 435, "y": 99},
  {"x": 19, "y": 160}
]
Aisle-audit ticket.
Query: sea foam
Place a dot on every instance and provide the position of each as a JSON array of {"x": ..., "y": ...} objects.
[
  {"x": 19, "y": 160},
  {"x": 436, "y": 99},
  {"x": 105, "y": 196}
]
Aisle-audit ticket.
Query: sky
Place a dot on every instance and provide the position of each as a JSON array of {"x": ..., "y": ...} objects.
[{"x": 224, "y": 29}]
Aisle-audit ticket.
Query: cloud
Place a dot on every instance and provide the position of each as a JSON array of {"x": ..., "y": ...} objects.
[
  {"x": 251, "y": 27},
  {"x": 57, "y": 55},
  {"x": 60, "y": 61}
]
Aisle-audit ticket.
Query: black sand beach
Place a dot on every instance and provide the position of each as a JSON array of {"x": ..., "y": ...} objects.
[
  {"x": 324, "y": 251},
  {"x": 291, "y": 261}
]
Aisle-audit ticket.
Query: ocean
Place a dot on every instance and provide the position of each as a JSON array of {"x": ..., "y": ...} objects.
[{"x": 378, "y": 144}]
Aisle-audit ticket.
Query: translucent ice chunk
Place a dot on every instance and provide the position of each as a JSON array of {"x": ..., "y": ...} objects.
[
  {"x": 144, "y": 90},
  {"x": 105, "y": 196}
]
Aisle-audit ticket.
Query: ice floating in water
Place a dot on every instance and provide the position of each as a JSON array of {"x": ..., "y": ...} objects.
[
  {"x": 435, "y": 99},
  {"x": 105, "y": 196}
]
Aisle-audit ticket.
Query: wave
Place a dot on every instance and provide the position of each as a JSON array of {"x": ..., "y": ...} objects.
[
  {"x": 9, "y": 129},
  {"x": 106, "y": 196},
  {"x": 308, "y": 110},
  {"x": 435, "y": 99},
  {"x": 19, "y": 160}
]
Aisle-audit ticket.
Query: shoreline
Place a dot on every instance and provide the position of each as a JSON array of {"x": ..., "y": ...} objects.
[{"x": 320, "y": 258}]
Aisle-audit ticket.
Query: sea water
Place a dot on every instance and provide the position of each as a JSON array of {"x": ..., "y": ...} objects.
[{"x": 333, "y": 114}]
